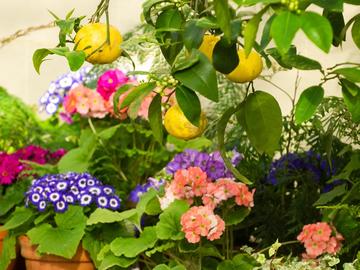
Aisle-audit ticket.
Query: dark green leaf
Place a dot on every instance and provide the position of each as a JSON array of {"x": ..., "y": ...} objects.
[
  {"x": 236, "y": 216},
  {"x": 147, "y": 7},
  {"x": 283, "y": 30},
  {"x": 352, "y": 102},
  {"x": 263, "y": 121},
  {"x": 308, "y": 102},
  {"x": 317, "y": 29},
  {"x": 245, "y": 262},
  {"x": 189, "y": 104},
  {"x": 138, "y": 91},
  {"x": 207, "y": 23},
  {"x": 355, "y": 32},
  {"x": 193, "y": 35},
  {"x": 300, "y": 62},
  {"x": 225, "y": 57},
  {"x": 253, "y": 2},
  {"x": 155, "y": 118},
  {"x": 327, "y": 197},
  {"x": 266, "y": 37},
  {"x": 332, "y": 5},
  {"x": 352, "y": 2},
  {"x": 226, "y": 265},
  {"x": 222, "y": 12},
  {"x": 185, "y": 63},
  {"x": 337, "y": 22},
  {"x": 200, "y": 78},
  {"x": 352, "y": 74},
  {"x": 353, "y": 89}
]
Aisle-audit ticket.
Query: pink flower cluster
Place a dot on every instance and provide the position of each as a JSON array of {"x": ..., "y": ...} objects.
[
  {"x": 193, "y": 185},
  {"x": 110, "y": 81},
  {"x": 11, "y": 165},
  {"x": 201, "y": 221},
  {"x": 320, "y": 238}
]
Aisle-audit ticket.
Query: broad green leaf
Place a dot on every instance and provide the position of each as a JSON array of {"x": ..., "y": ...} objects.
[
  {"x": 7, "y": 252},
  {"x": 226, "y": 265},
  {"x": 101, "y": 215},
  {"x": 236, "y": 216},
  {"x": 251, "y": 30},
  {"x": 222, "y": 12},
  {"x": 352, "y": 74},
  {"x": 76, "y": 160},
  {"x": 162, "y": 267},
  {"x": 200, "y": 78},
  {"x": 207, "y": 23},
  {"x": 121, "y": 90},
  {"x": 300, "y": 62},
  {"x": 48, "y": 238},
  {"x": 147, "y": 7},
  {"x": 254, "y": 2},
  {"x": 131, "y": 247},
  {"x": 172, "y": 41},
  {"x": 160, "y": 248},
  {"x": 193, "y": 35},
  {"x": 317, "y": 29},
  {"x": 185, "y": 63},
  {"x": 140, "y": 90},
  {"x": 93, "y": 245},
  {"x": 39, "y": 57},
  {"x": 245, "y": 262},
  {"x": 75, "y": 59},
  {"x": 225, "y": 56},
  {"x": 353, "y": 89},
  {"x": 333, "y": 5},
  {"x": 266, "y": 37},
  {"x": 169, "y": 226},
  {"x": 263, "y": 122},
  {"x": 155, "y": 118},
  {"x": 108, "y": 133},
  {"x": 283, "y": 30},
  {"x": 73, "y": 218},
  {"x": 189, "y": 104},
  {"x": 308, "y": 102},
  {"x": 153, "y": 207},
  {"x": 352, "y": 102},
  {"x": 13, "y": 196},
  {"x": 134, "y": 107},
  {"x": 327, "y": 197},
  {"x": 20, "y": 216},
  {"x": 352, "y": 2},
  {"x": 111, "y": 260},
  {"x": 355, "y": 32},
  {"x": 337, "y": 22}
]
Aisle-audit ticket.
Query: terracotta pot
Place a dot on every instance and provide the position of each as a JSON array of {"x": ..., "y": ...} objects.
[
  {"x": 81, "y": 260},
  {"x": 2, "y": 236}
]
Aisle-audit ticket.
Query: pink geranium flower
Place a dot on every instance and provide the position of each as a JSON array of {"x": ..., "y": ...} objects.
[{"x": 110, "y": 81}]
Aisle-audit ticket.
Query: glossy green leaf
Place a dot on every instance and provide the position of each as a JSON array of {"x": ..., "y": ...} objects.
[
  {"x": 185, "y": 62},
  {"x": 101, "y": 215},
  {"x": 333, "y": 5},
  {"x": 222, "y": 12},
  {"x": 236, "y": 215},
  {"x": 148, "y": 6},
  {"x": 308, "y": 102},
  {"x": 266, "y": 37},
  {"x": 283, "y": 30},
  {"x": 155, "y": 118},
  {"x": 121, "y": 90},
  {"x": 300, "y": 62},
  {"x": 251, "y": 30},
  {"x": 138, "y": 91},
  {"x": 263, "y": 121},
  {"x": 355, "y": 32},
  {"x": 353, "y": 88},
  {"x": 39, "y": 57},
  {"x": 352, "y": 101},
  {"x": 317, "y": 29},
  {"x": 352, "y": 74},
  {"x": 110, "y": 261},
  {"x": 189, "y": 104},
  {"x": 209, "y": 22},
  {"x": 225, "y": 57},
  {"x": 337, "y": 22},
  {"x": 200, "y": 78},
  {"x": 352, "y": 2},
  {"x": 172, "y": 41},
  {"x": 75, "y": 59},
  {"x": 193, "y": 35},
  {"x": 254, "y": 2}
]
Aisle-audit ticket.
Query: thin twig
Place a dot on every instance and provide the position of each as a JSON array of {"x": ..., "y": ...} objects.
[{"x": 24, "y": 32}]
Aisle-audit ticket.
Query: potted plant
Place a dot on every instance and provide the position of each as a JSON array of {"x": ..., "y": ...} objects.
[{"x": 52, "y": 226}]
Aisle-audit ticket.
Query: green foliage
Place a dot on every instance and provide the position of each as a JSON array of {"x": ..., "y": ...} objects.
[
  {"x": 308, "y": 102},
  {"x": 8, "y": 252}
]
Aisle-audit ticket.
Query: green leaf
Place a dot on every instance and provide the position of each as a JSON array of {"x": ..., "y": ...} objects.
[
  {"x": 263, "y": 122},
  {"x": 153, "y": 207},
  {"x": 111, "y": 260},
  {"x": 352, "y": 101},
  {"x": 245, "y": 262},
  {"x": 200, "y": 78},
  {"x": 72, "y": 218},
  {"x": 337, "y": 22},
  {"x": 254, "y": 2},
  {"x": 236, "y": 216},
  {"x": 160, "y": 248},
  {"x": 121, "y": 90},
  {"x": 172, "y": 41},
  {"x": 352, "y": 74},
  {"x": 131, "y": 247},
  {"x": 39, "y": 57},
  {"x": 169, "y": 226},
  {"x": 76, "y": 160},
  {"x": 226, "y": 265},
  {"x": 20, "y": 216},
  {"x": 355, "y": 32},
  {"x": 189, "y": 103},
  {"x": 134, "y": 107},
  {"x": 251, "y": 30},
  {"x": 155, "y": 118},
  {"x": 308, "y": 102},
  {"x": 318, "y": 29},
  {"x": 140, "y": 90},
  {"x": 193, "y": 35},
  {"x": 222, "y": 12},
  {"x": 333, "y": 5},
  {"x": 225, "y": 56},
  {"x": 75, "y": 59},
  {"x": 147, "y": 7},
  {"x": 300, "y": 62},
  {"x": 207, "y": 23},
  {"x": 266, "y": 37},
  {"x": 101, "y": 215},
  {"x": 185, "y": 63},
  {"x": 352, "y": 2},
  {"x": 283, "y": 30},
  {"x": 108, "y": 133},
  {"x": 8, "y": 252},
  {"x": 14, "y": 195},
  {"x": 327, "y": 197}
]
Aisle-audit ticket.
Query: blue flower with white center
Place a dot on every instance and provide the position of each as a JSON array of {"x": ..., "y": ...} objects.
[
  {"x": 35, "y": 198},
  {"x": 41, "y": 206},
  {"x": 91, "y": 182},
  {"x": 85, "y": 199},
  {"x": 108, "y": 190},
  {"x": 52, "y": 87},
  {"x": 61, "y": 185},
  {"x": 114, "y": 203},
  {"x": 82, "y": 183},
  {"x": 54, "y": 196},
  {"x": 102, "y": 202},
  {"x": 38, "y": 189},
  {"x": 60, "y": 206},
  {"x": 95, "y": 190},
  {"x": 70, "y": 199},
  {"x": 74, "y": 190},
  {"x": 66, "y": 81},
  {"x": 54, "y": 98}
]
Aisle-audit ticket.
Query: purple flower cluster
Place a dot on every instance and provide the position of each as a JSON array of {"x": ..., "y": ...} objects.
[
  {"x": 139, "y": 190},
  {"x": 54, "y": 96},
  {"x": 212, "y": 163},
  {"x": 62, "y": 190},
  {"x": 11, "y": 165}
]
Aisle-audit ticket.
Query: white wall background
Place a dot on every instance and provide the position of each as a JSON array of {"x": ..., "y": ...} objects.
[{"x": 19, "y": 77}]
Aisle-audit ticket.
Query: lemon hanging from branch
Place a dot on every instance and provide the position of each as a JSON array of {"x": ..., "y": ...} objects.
[
  {"x": 208, "y": 44},
  {"x": 99, "y": 48}
]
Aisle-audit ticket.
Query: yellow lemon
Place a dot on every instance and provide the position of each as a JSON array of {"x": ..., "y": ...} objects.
[
  {"x": 208, "y": 44},
  {"x": 248, "y": 69},
  {"x": 91, "y": 39},
  {"x": 178, "y": 126}
]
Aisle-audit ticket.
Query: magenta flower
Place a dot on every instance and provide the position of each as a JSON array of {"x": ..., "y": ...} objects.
[
  {"x": 110, "y": 81},
  {"x": 10, "y": 167}
]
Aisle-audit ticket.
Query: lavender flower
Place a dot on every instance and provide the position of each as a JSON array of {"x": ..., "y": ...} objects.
[
  {"x": 62, "y": 190},
  {"x": 139, "y": 190}
]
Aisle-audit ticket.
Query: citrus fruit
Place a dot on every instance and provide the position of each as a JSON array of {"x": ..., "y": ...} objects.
[
  {"x": 208, "y": 44},
  {"x": 180, "y": 127},
  {"x": 248, "y": 69},
  {"x": 91, "y": 39}
]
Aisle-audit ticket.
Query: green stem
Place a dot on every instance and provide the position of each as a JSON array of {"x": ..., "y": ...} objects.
[{"x": 282, "y": 244}]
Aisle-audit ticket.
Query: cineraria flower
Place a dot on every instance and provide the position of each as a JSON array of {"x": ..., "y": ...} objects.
[
  {"x": 110, "y": 81},
  {"x": 320, "y": 238},
  {"x": 201, "y": 221},
  {"x": 212, "y": 164},
  {"x": 10, "y": 167},
  {"x": 62, "y": 190},
  {"x": 139, "y": 190}
]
